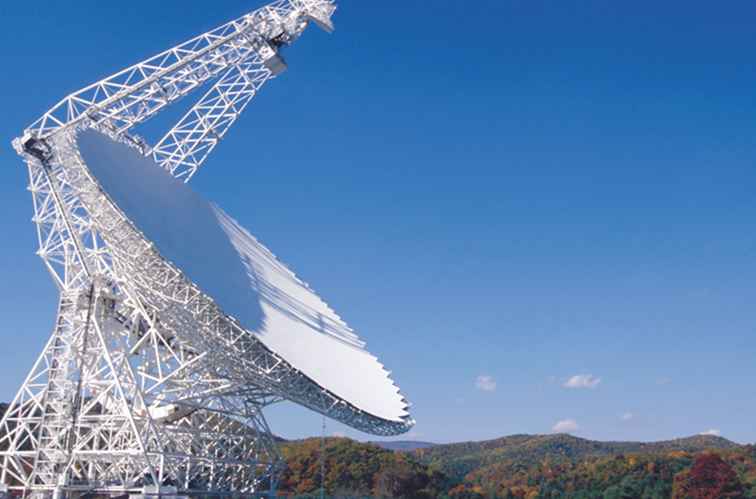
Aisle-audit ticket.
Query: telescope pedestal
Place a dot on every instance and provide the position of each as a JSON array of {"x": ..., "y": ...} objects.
[{"x": 90, "y": 418}]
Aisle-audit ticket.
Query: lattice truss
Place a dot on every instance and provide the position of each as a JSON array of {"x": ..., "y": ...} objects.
[{"x": 131, "y": 393}]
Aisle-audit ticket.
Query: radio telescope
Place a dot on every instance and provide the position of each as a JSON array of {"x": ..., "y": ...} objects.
[{"x": 175, "y": 326}]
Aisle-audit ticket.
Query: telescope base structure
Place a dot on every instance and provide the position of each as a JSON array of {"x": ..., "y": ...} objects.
[
  {"x": 144, "y": 382},
  {"x": 153, "y": 382},
  {"x": 86, "y": 422}
]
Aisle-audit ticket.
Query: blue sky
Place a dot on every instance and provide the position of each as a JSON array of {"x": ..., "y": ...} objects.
[{"x": 536, "y": 213}]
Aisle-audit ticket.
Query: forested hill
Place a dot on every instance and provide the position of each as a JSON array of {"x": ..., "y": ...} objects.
[
  {"x": 524, "y": 466},
  {"x": 521, "y": 466},
  {"x": 459, "y": 459},
  {"x": 354, "y": 469},
  {"x": 403, "y": 445}
]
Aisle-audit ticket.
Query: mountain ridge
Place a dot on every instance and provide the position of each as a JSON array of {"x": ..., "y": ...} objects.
[
  {"x": 459, "y": 459},
  {"x": 388, "y": 444},
  {"x": 403, "y": 445},
  {"x": 519, "y": 466}
]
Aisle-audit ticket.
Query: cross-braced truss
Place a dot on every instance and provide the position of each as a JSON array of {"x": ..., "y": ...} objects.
[{"x": 131, "y": 393}]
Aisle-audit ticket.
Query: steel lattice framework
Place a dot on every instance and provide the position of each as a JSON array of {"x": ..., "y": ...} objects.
[{"x": 131, "y": 393}]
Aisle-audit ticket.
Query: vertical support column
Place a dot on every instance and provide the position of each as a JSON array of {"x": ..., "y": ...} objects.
[{"x": 37, "y": 426}]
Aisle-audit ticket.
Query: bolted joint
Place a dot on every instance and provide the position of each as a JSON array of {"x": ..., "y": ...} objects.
[
  {"x": 271, "y": 59},
  {"x": 268, "y": 51},
  {"x": 38, "y": 148},
  {"x": 319, "y": 12},
  {"x": 18, "y": 146}
]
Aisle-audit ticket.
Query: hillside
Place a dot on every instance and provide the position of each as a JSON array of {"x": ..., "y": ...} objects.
[
  {"x": 676, "y": 475},
  {"x": 459, "y": 459},
  {"x": 522, "y": 466},
  {"x": 537, "y": 466},
  {"x": 403, "y": 445},
  {"x": 357, "y": 469}
]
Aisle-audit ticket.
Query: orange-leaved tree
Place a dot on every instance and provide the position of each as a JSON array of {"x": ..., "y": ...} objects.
[{"x": 710, "y": 477}]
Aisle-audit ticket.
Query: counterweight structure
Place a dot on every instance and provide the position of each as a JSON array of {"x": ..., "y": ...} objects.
[{"x": 145, "y": 386}]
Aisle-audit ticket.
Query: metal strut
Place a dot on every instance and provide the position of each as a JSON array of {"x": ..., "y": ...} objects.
[
  {"x": 249, "y": 45},
  {"x": 116, "y": 403}
]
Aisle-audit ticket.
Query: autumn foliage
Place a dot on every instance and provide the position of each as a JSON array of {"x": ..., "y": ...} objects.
[
  {"x": 710, "y": 477},
  {"x": 515, "y": 467},
  {"x": 354, "y": 469}
]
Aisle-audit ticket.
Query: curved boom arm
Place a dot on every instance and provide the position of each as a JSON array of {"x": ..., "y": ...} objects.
[
  {"x": 139, "y": 92},
  {"x": 186, "y": 146}
]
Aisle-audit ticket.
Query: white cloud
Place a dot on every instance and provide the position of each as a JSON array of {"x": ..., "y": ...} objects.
[
  {"x": 485, "y": 383},
  {"x": 714, "y": 432},
  {"x": 627, "y": 416},
  {"x": 565, "y": 426},
  {"x": 582, "y": 381}
]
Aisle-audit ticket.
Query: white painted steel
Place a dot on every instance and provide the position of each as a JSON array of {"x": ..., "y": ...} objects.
[
  {"x": 242, "y": 276},
  {"x": 145, "y": 383}
]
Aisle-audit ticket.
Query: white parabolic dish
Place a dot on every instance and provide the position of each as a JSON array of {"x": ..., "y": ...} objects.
[{"x": 245, "y": 279}]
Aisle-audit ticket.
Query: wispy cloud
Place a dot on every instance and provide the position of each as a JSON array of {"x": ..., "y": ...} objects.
[
  {"x": 627, "y": 416},
  {"x": 565, "y": 426},
  {"x": 582, "y": 381},
  {"x": 485, "y": 383},
  {"x": 714, "y": 432},
  {"x": 663, "y": 381}
]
